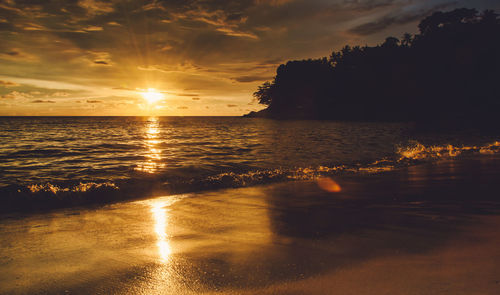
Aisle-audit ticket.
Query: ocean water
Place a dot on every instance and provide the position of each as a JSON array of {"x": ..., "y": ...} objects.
[{"x": 75, "y": 160}]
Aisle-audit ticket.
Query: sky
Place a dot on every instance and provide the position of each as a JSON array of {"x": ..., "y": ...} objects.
[{"x": 189, "y": 57}]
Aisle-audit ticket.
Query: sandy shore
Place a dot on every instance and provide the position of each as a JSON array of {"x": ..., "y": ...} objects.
[{"x": 428, "y": 229}]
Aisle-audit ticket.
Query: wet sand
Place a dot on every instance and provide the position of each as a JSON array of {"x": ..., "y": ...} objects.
[{"x": 427, "y": 229}]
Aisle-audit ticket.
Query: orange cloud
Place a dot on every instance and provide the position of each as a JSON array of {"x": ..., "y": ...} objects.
[
  {"x": 16, "y": 95},
  {"x": 273, "y": 2},
  {"x": 8, "y": 84}
]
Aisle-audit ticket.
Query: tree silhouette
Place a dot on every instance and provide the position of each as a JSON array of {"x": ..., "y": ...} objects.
[
  {"x": 406, "y": 40},
  {"x": 447, "y": 74},
  {"x": 391, "y": 42},
  {"x": 264, "y": 93}
]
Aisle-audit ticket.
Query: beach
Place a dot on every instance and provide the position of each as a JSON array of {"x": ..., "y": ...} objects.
[
  {"x": 250, "y": 147},
  {"x": 425, "y": 229}
]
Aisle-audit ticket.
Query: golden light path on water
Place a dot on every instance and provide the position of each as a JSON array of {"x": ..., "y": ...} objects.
[{"x": 153, "y": 153}]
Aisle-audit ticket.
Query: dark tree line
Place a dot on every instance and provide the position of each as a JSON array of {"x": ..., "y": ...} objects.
[{"x": 449, "y": 72}]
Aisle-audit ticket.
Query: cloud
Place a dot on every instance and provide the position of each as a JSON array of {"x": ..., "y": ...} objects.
[
  {"x": 33, "y": 27},
  {"x": 99, "y": 58},
  {"x": 367, "y": 5},
  {"x": 6, "y": 26},
  {"x": 124, "y": 88},
  {"x": 94, "y": 101},
  {"x": 93, "y": 29},
  {"x": 227, "y": 22},
  {"x": 247, "y": 79},
  {"x": 272, "y": 2},
  {"x": 95, "y": 7},
  {"x": 232, "y": 105},
  {"x": 195, "y": 98},
  {"x": 184, "y": 94},
  {"x": 54, "y": 85},
  {"x": 43, "y": 101},
  {"x": 8, "y": 84},
  {"x": 16, "y": 54},
  {"x": 184, "y": 67},
  {"x": 396, "y": 18},
  {"x": 60, "y": 94},
  {"x": 166, "y": 47},
  {"x": 16, "y": 95},
  {"x": 182, "y": 108},
  {"x": 234, "y": 33}
]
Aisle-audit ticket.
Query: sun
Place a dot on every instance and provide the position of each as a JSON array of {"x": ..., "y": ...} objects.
[{"x": 152, "y": 96}]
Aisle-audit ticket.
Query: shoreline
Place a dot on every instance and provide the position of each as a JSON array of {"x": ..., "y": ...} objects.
[
  {"x": 47, "y": 197},
  {"x": 387, "y": 230}
]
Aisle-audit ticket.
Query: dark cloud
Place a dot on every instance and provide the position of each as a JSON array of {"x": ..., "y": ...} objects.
[
  {"x": 195, "y": 98},
  {"x": 367, "y": 5},
  {"x": 273, "y": 61},
  {"x": 182, "y": 108},
  {"x": 246, "y": 79},
  {"x": 393, "y": 19},
  {"x": 16, "y": 54},
  {"x": 94, "y": 101},
  {"x": 101, "y": 62},
  {"x": 6, "y": 26},
  {"x": 273, "y": 2},
  {"x": 235, "y": 17},
  {"x": 43, "y": 101},
  {"x": 232, "y": 105}
]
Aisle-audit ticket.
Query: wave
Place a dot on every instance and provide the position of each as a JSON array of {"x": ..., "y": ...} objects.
[
  {"x": 40, "y": 196},
  {"x": 418, "y": 151},
  {"x": 80, "y": 188}
]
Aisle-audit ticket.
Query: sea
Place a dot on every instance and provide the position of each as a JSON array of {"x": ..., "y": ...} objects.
[{"x": 48, "y": 162}]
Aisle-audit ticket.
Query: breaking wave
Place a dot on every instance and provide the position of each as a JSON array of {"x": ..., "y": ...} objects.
[
  {"x": 80, "y": 188},
  {"x": 40, "y": 196}
]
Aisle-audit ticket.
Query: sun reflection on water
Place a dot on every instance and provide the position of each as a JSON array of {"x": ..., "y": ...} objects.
[{"x": 153, "y": 154}]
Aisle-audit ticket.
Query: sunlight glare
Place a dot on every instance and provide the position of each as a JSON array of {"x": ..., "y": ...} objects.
[
  {"x": 153, "y": 161},
  {"x": 152, "y": 96}
]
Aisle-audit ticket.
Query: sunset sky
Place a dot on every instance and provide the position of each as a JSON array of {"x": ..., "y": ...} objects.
[{"x": 179, "y": 57}]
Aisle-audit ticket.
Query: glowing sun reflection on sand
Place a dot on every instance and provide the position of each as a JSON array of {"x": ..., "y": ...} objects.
[
  {"x": 160, "y": 215},
  {"x": 160, "y": 208}
]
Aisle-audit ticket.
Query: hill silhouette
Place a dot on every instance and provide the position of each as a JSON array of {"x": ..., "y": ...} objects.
[{"x": 448, "y": 74}]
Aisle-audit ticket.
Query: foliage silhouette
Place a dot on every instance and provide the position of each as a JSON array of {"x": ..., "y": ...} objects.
[{"x": 447, "y": 74}]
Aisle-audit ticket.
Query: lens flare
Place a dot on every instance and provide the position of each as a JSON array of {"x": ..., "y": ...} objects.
[{"x": 328, "y": 184}]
